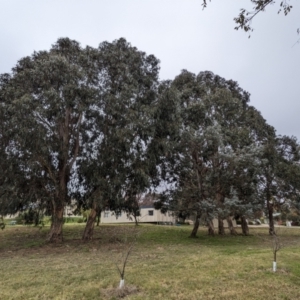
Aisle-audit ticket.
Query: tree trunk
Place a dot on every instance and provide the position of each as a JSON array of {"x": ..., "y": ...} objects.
[
  {"x": 271, "y": 218},
  {"x": 221, "y": 229},
  {"x": 245, "y": 227},
  {"x": 211, "y": 228},
  {"x": 90, "y": 224},
  {"x": 56, "y": 234},
  {"x": 98, "y": 217},
  {"x": 230, "y": 226},
  {"x": 196, "y": 226},
  {"x": 136, "y": 220}
]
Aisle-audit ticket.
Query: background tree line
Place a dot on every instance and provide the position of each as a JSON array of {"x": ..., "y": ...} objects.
[{"x": 96, "y": 126}]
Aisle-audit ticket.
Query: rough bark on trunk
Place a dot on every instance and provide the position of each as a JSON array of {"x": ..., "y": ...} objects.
[
  {"x": 90, "y": 224},
  {"x": 230, "y": 226},
  {"x": 221, "y": 229},
  {"x": 271, "y": 218},
  {"x": 245, "y": 228},
  {"x": 196, "y": 226},
  {"x": 56, "y": 234},
  {"x": 211, "y": 228}
]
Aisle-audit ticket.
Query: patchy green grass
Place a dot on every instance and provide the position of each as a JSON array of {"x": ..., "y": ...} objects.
[{"x": 164, "y": 264}]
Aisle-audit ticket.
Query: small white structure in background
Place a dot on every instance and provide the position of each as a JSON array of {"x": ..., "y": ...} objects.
[{"x": 148, "y": 214}]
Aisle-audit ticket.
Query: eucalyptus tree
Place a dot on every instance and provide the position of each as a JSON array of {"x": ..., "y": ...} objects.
[
  {"x": 48, "y": 94},
  {"x": 8, "y": 166},
  {"x": 226, "y": 105},
  {"x": 289, "y": 169},
  {"x": 214, "y": 133},
  {"x": 225, "y": 109},
  {"x": 244, "y": 19},
  {"x": 268, "y": 180},
  {"x": 118, "y": 165},
  {"x": 4, "y": 142},
  {"x": 13, "y": 184},
  {"x": 181, "y": 168},
  {"x": 244, "y": 199},
  {"x": 280, "y": 175}
]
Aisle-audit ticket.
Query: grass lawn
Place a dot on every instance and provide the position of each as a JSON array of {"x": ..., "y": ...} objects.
[{"x": 164, "y": 264}]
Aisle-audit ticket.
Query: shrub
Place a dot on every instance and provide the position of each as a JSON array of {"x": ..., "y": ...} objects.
[
  {"x": 73, "y": 220},
  {"x": 30, "y": 217}
]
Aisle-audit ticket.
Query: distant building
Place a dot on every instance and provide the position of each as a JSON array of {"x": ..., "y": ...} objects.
[{"x": 148, "y": 214}]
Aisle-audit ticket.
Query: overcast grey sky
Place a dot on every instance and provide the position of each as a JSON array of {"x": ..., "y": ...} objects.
[{"x": 181, "y": 35}]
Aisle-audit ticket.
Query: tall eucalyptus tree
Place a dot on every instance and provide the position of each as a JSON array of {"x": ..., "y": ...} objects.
[
  {"x": 212, "y": 133},
  {"x": 279, "y": 178},
  {"x": 118, "y": 165},
  {"x": 9, "y": 175},
  {"x": 48, "y": 94}
]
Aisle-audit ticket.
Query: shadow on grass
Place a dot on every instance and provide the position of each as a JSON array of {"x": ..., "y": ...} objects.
[{"x": 26, "y": 237}]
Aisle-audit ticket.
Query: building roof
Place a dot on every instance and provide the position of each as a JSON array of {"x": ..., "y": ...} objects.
[{"x": 148, "y": 201}]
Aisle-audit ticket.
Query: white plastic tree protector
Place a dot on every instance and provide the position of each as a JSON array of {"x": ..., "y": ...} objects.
[
  {"x": 274, "y": 266},
  {"x": 122, "y": 283}
]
